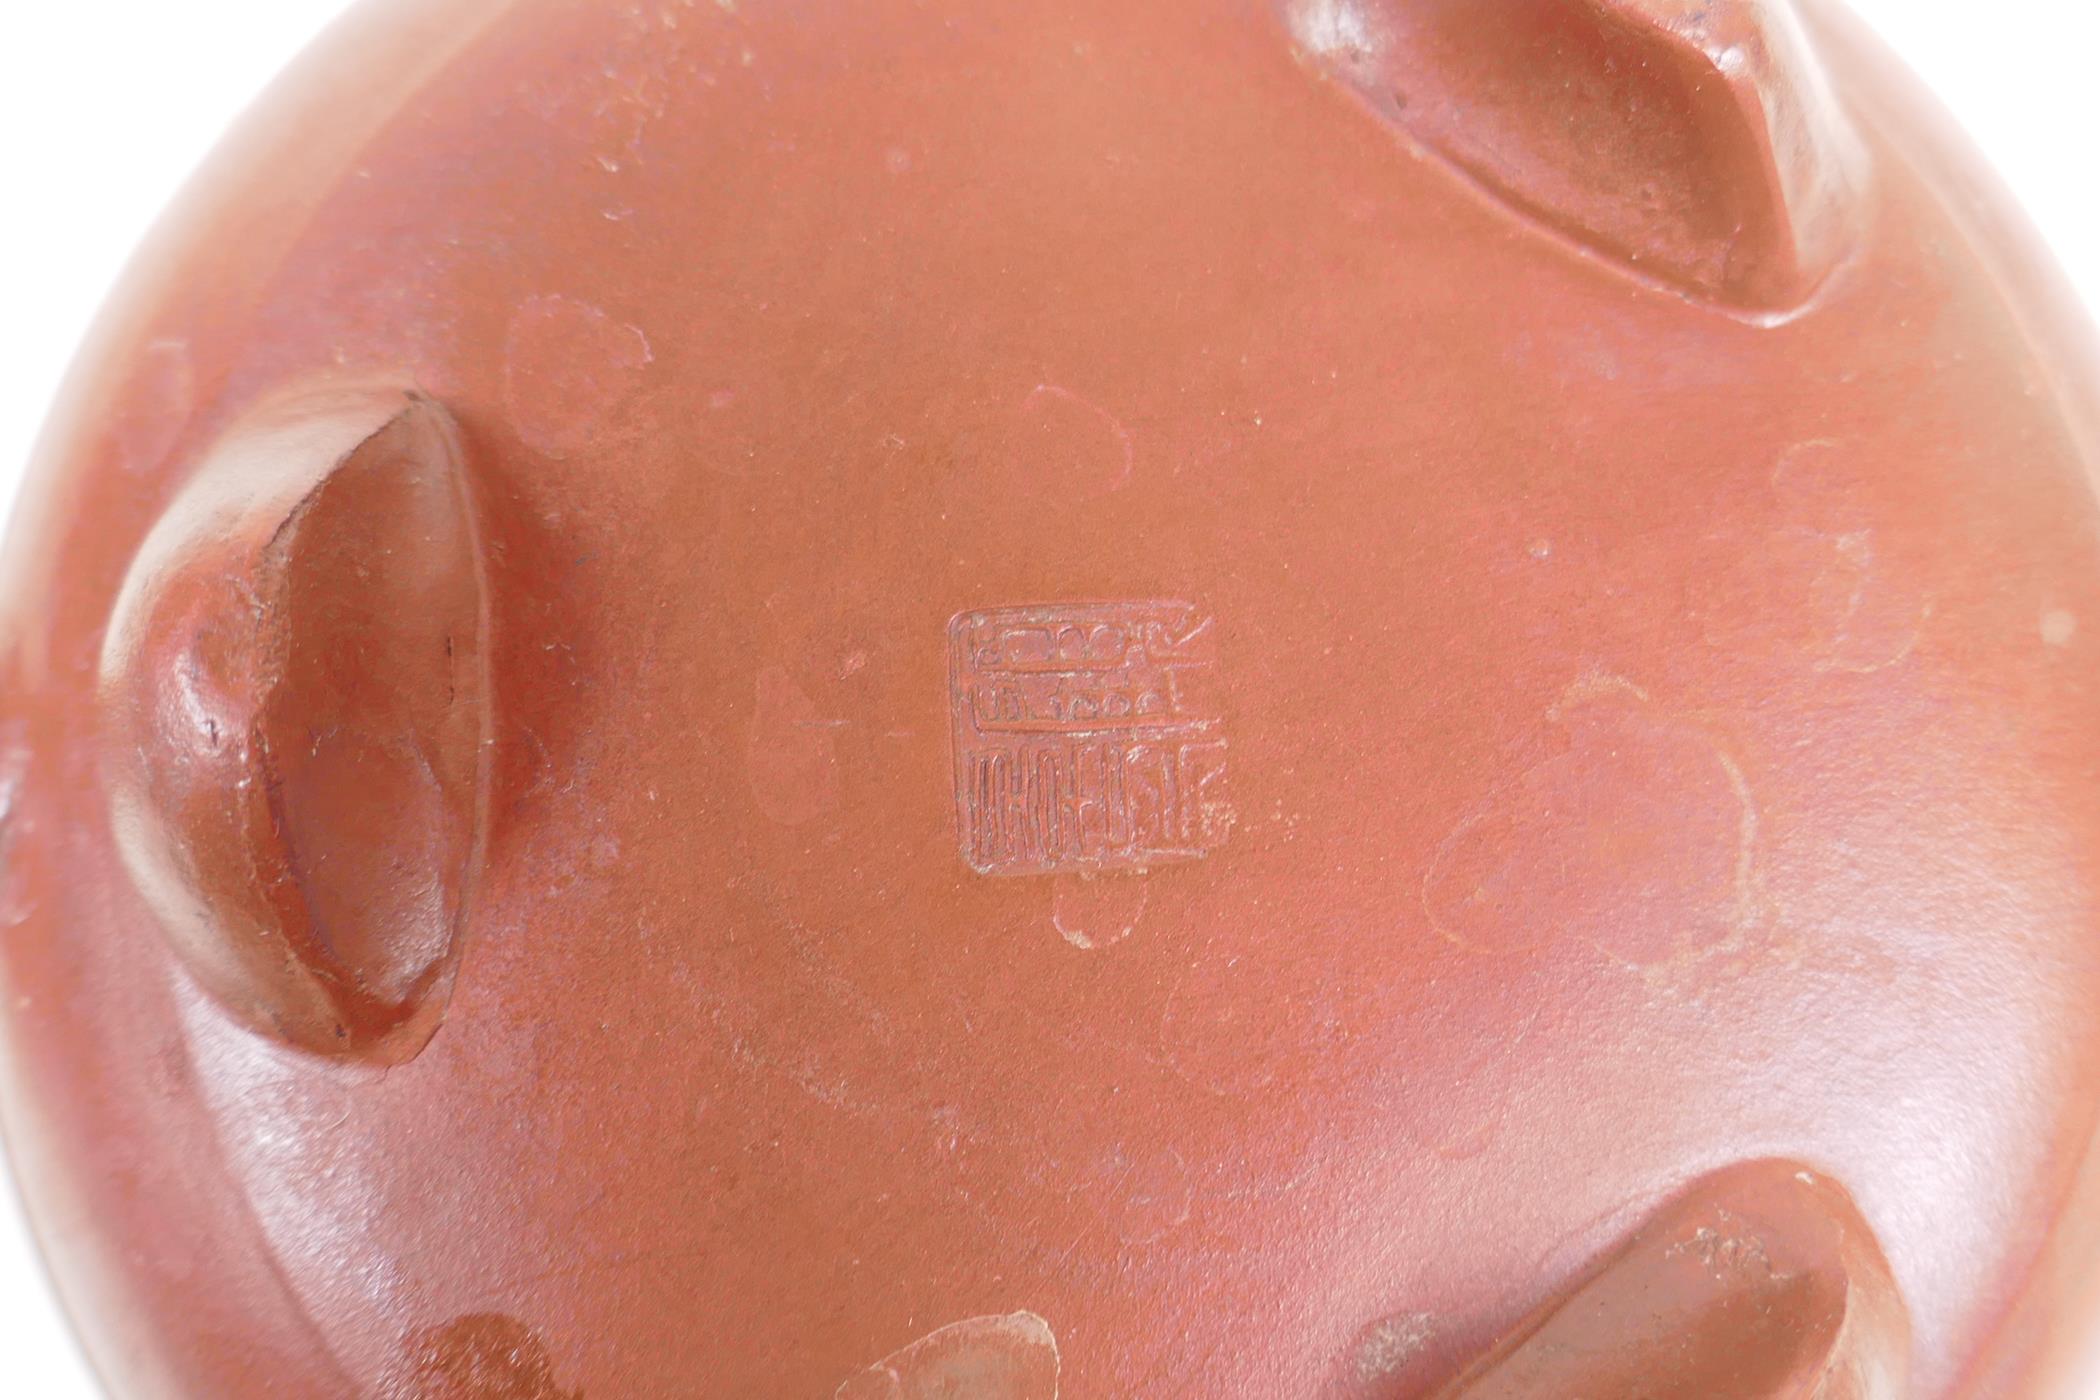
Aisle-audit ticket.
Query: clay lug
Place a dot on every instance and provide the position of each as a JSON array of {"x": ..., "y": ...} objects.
[
  {"x": 295, "y": 707},
  {"x": 1760, "y": 1282},
  {"x": 1695, "y": 143}
]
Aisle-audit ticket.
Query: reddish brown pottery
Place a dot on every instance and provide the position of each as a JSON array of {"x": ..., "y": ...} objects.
[{"x": 1066, "y": 698}]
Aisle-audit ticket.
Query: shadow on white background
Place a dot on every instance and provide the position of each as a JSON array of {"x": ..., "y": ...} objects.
[{"x": 108, "y": 105}]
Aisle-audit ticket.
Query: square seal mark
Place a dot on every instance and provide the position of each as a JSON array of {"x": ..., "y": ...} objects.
[{"x": 1088, "y": 736}]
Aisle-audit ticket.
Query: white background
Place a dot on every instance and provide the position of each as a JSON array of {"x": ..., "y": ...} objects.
[{"x": 107, "y": 105}]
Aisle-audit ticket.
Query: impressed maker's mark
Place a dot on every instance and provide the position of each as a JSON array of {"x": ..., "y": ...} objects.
[{"x": 1087, "y": 736}]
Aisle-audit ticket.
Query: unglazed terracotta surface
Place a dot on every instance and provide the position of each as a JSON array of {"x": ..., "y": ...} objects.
[{"x": 1337, "y": 698}]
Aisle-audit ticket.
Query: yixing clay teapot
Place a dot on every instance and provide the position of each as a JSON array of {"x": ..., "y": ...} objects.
[{"x": 1066, "y": 698}]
